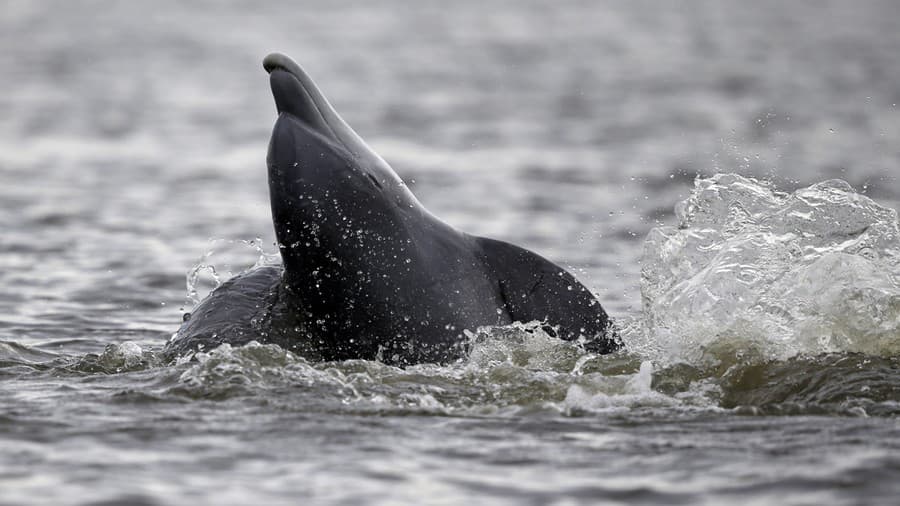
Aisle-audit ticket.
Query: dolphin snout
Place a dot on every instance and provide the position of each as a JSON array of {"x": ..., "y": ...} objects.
[
  {"x": 295, "y": 93},
  {"x": 279, "y": 61}
]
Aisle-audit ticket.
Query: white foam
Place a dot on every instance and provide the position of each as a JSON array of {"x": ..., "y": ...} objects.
[
  {"x": 602, "y": 393},
  {"x": 814, "y": 271}
]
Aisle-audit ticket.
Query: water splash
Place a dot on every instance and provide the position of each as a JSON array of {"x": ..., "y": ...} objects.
[
  {"x": 231, "y": 256},
  {"x": 118, "y": 358},
  {"x": 617, "y": 393},
  {"x": 754, "y": 291},
  {"x": 511, "y": 368},
  {"x": 753, "y": 270}
]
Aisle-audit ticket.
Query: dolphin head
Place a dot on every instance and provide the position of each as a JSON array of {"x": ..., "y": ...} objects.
[{"x": 331, "y": 194}]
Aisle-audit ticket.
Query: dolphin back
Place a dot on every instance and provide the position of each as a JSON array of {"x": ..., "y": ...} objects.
[{"x": 234, "y": 313}]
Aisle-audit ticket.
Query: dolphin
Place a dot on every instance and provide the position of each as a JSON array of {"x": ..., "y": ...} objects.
[{"x": 367, "y": 272}]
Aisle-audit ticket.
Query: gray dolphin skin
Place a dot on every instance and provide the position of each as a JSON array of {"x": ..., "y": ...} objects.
[{"x": 368, "y": 272}]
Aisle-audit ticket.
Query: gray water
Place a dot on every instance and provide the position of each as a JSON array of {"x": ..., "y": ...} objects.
[{"x": 132, "y": 145}]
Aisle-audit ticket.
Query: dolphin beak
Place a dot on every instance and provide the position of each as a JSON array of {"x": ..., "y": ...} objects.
[
  {"x": 279, "y": 61},
  {"x": 296, "y": 94}
]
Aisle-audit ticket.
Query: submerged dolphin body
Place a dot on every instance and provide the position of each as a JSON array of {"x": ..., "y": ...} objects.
[{"x": 367, "y": 271}]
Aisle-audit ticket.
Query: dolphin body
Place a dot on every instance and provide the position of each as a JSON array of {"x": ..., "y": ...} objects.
[{"x": 368, "y": 272}]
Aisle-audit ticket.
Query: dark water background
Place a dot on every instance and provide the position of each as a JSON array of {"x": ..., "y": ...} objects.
[{"x": 132, "y": 144}]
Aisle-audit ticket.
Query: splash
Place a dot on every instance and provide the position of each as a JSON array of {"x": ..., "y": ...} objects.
[
  {"x": 231, "y": 256},
  {"x": 510, "y": 369},
  {"x": 758, "y": 301},
  {"x": 752, "y": 270},
  {"x": 617, "y": 393}
]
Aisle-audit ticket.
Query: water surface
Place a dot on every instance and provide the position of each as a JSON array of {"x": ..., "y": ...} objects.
[{"x": 132, "y": 145}]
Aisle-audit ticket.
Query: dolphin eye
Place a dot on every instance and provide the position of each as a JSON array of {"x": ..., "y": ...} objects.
[{"x": 374, "y": 180}]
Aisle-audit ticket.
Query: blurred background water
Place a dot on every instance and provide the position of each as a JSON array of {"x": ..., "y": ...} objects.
[{"x": 132, "y": 145}]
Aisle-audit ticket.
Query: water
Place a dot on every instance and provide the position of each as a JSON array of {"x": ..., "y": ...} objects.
[{"x": 761, "y": 316}]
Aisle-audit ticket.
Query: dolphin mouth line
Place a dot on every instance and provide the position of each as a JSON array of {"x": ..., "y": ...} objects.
[
  {"x": 278, "y": 61},
  {"x": 276, "y": 66}
]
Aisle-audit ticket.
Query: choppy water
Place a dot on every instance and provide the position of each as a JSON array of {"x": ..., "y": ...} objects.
[{"x": 761, "y": 316}]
